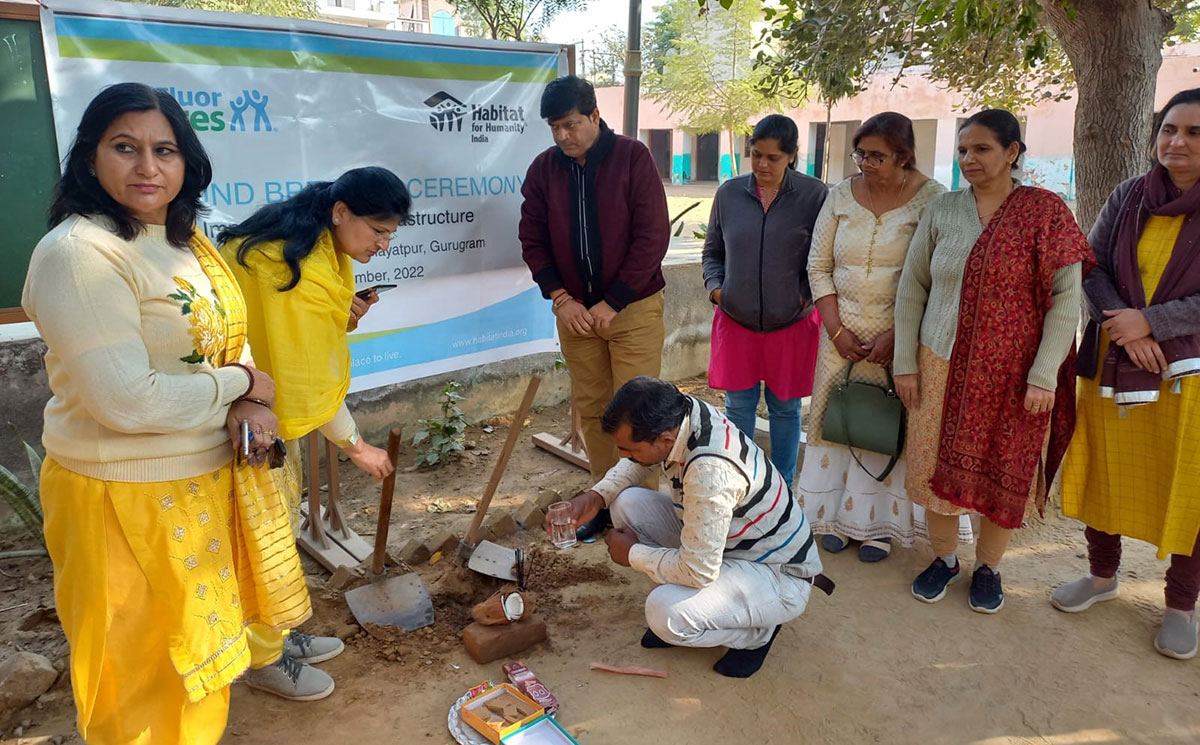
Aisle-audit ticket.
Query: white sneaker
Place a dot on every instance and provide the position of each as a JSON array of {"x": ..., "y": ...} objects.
[
  {"x": 290, "y": 679},
  {"x": 311, "y": 649}
]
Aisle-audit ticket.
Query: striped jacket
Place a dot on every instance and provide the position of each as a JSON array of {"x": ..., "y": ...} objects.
[
  {"x": 731, "y": 500},
  {"x": 768, "y": 524}
]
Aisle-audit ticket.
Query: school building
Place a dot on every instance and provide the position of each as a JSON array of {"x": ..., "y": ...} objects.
[{"x": 686, "y": 157}]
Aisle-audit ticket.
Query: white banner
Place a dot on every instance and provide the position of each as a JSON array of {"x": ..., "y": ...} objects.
[{"x": 279, "y": 103}]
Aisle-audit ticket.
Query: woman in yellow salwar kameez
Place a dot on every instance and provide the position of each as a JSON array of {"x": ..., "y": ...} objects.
[
  {"x": 294, "y": 261},
  {"x": 164, "y": 545},
  {"x": 1134, "y": 466}
]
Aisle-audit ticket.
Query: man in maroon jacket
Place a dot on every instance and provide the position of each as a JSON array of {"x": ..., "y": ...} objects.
[{"x": 594, "y": 231}]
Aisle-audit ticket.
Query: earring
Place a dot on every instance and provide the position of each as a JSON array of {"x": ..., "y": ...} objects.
[
  {"x": 92, "y": 172},
  {"x": 337, "y": 221}
]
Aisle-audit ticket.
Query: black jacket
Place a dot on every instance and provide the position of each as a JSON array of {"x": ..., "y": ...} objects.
[{"x": 760, "y": 260}]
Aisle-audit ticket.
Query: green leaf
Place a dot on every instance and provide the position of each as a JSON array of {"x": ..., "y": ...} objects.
[
  {"x": 35, "y": 465},
  {"x": 24, "y": 502},
  {"x": 194, "y": 358}
]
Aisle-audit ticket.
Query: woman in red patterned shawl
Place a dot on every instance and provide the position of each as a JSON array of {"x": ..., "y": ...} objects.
[{"x": 986, "y": 314}]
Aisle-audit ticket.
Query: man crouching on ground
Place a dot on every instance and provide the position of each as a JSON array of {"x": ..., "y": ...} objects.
[{"x": 729, "y": 546}]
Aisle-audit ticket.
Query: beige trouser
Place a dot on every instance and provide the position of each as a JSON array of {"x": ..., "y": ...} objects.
[
  {"x": 603, "y": 361},
  {"x": 989, "y": 549}
]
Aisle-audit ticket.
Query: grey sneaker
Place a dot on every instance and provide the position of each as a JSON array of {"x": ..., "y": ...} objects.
[
  {"x": 1178, "y": 635},
  {"x": 311, "y": 649},
  {"x": 290, "y": 679},
  {"x": 1078, "y": 596}
]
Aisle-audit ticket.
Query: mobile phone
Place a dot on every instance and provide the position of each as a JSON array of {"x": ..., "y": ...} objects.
[
  {"x": 377, "y": 288},
  {"x": 245, "y": 439}
]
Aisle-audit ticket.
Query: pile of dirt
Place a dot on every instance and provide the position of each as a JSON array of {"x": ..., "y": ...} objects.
[{"x": 455, "y": 590}]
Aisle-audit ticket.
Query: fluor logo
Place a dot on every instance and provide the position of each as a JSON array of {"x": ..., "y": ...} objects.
[{"x": 214, "y": 111}]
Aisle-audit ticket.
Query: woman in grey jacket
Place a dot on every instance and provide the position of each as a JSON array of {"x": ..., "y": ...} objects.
[{"x": 755, "y": 258}]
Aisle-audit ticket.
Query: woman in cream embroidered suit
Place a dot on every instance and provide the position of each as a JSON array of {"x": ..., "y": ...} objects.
[
  {"x": 164, "y": 547},
  {"x": 858, "y": 250}
]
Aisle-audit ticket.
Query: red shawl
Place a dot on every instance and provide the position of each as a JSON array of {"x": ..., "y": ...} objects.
[{"x": 990, "y": 446}]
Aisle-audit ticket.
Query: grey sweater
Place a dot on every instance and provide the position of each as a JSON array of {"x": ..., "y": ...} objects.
[
  {"x": 931, "y": 286},
  {"x": 760, "y": 260}
]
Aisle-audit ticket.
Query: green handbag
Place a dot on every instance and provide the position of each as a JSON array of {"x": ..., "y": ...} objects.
[{"x": 868, "y": 417}]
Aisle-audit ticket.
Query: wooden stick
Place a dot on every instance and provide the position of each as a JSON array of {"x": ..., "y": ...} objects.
[
  {"x": 632, "y": 670},
  {"x": 514, "y": 433},
  {"x": 315, "y": 523},
  {"x": 337, "y": 525},
  {"x": 385, "y": 504}
]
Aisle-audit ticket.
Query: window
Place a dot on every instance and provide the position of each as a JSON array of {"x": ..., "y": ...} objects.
[{"x": 443, "y": 24}]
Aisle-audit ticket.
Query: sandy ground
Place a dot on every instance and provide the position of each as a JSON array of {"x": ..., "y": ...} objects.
[{"x": 869, "y": 665}]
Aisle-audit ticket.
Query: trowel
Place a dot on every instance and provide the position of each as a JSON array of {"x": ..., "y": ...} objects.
[{"x": 494, "y": 560}]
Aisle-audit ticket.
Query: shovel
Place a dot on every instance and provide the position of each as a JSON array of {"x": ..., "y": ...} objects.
[
  {"x": 495, "y": 560},
  {"x": 397, "y": 602}
]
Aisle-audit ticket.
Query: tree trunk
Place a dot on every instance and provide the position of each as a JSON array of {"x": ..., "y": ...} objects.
[{"x": 1115, "y": 48}]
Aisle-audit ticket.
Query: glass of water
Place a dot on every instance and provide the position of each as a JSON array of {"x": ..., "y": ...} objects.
[{"x": 562, "y": 526}]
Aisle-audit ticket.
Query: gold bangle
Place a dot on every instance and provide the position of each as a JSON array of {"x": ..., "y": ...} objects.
[{"x": 837, "y": 333}]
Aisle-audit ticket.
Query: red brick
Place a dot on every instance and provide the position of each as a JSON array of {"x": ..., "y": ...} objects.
[
  {"x": 530, "y": 516},
  {"x": 503, "y": 526},
  {"x": 489, "y": 643},
  {"x": 414, "y": 553}
]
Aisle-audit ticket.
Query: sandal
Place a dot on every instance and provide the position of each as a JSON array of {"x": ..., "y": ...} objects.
[
  {"x": 875, "y": 550},
  {"x": 834, "y": 542}
]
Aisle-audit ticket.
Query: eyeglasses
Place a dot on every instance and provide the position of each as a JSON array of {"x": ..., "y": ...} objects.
[{"x": 874, "y": 160}]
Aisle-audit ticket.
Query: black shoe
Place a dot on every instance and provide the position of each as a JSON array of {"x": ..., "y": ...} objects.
[
  {"x": 930, "y": 585},
  {"x": 742, "y": 663},
  {"x": 987, "y": 594},
  {"x": 592, "y": 530},
  {"x": 650, "y": 640}
]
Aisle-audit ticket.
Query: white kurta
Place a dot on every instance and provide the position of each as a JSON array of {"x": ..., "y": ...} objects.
[{"x": 858, "y": 258}]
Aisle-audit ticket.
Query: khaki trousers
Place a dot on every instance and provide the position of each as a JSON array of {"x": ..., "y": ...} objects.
[
  {"x": 603, "y": 361},
  {"x": 943, "y": 538}
]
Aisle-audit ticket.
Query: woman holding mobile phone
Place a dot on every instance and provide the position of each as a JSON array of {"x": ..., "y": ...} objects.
[
  {"x": 293, "y": 260},
  {"x": 148, "y": 485}
]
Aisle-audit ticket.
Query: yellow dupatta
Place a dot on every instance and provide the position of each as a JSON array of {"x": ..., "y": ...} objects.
[
  {"x": 299, "y": 336},
  {"x": 270, "y": 580}
]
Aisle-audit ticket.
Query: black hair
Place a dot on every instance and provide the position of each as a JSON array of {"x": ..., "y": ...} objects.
[
  {"x": 566, "y": 94},
  {"x": 299, "y": 221},
  {"x": 649, "y": 405},
  {"x": 1192, "y": 95},
  {"x": 78, "y": 191},
  {"x": 897, "y": 131},
  {"x": 1004, "y": 126},
  {"x": 779, "y": 128}
]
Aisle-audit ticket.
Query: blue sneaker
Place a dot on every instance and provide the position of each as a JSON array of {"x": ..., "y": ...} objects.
[
  {"x": 930, "y": 585},
  {"x": 987, "y": 594}
]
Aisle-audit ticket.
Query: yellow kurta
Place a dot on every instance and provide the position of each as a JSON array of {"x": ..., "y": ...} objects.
[
  {"x": 299, "y": 336},
  {"x": 155, "y": 582},
  {"x": 1138, "y": 475}
]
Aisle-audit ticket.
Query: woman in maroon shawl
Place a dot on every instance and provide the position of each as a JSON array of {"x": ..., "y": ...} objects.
[
  {"x": 1134, "y": 467},
  {"x": 986, "y": 316}
]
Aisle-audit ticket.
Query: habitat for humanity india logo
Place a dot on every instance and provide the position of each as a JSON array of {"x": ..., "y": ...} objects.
[
  {"x": 447, "y": 114},
  {"x": 214, "y": 111}
]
